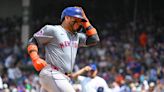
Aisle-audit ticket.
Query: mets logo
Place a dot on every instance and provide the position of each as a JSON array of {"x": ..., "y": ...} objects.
[{"x": 68, "y": 44}]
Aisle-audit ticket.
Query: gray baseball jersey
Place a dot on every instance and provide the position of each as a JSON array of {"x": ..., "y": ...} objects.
[{"x": 60, "y": 46}]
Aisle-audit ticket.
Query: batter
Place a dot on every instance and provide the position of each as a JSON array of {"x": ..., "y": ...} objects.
[{"x": 61, "y": 43}]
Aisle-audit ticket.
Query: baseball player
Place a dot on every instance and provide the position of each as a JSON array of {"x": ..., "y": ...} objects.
[
  {"x": 61, "y": 43},
  {"x": 91, "y": 82}
]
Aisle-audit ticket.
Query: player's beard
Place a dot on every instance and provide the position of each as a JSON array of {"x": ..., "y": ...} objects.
[
  {"x": 74, "y": 29},
  {"x": 71, "y": 24},
  {"x": 79, "y": 29}
]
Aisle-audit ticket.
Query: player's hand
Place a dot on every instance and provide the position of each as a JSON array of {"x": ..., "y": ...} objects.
[
  {"x": 70, "y": 75},
  {"x": 39, "y": 64},
  {"x": 87, "y": 68},
  {"x": 83, "y": 13}
]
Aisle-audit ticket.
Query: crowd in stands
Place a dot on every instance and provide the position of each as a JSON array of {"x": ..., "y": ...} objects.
[{"x": 130, "y": 56}]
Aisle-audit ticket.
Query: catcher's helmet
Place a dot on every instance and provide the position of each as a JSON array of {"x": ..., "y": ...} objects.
[{"x": 73, "y": 12}]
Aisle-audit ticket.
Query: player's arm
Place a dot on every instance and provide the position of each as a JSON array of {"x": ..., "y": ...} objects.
[
  {"x": 92, "y": 36},
  {"x": 81, "y": 71},
  {"x": 91, "y": 32},
  {"x": 41, "y": 37},
  {"x": 32, "y": 49}
]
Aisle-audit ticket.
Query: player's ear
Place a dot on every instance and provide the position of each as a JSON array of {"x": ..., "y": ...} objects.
[{"x": 67, "y": 18}]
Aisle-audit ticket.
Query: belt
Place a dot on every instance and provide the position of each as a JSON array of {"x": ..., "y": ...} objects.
[{"x": 56, "y": 68}]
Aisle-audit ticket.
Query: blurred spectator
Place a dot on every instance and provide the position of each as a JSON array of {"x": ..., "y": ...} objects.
[
  {"x": 143, "y": 39},
  {"x": 10, "y": 61},
  {"x": 14, "y": 73},
  {"x": 1, "y": 84},
  {"x": 159, "y": 86}
]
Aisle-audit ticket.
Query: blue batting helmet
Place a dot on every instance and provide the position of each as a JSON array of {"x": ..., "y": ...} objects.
[{"x": 73, "y": 12}]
